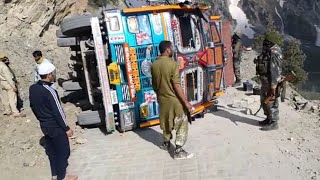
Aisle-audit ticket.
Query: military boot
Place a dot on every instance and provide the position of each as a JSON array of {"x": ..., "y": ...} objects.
[
  {"x": 180, "y": 153},
  {"x": 264, "y": 122},
  {"x": 272, "y": 125},
  {"x": 237, "y": 83},
  {"x": 165, "y": 146}
]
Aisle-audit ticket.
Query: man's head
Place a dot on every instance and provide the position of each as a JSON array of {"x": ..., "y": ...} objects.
[
  {"x": 272, "y": 38},
  {"x": 166, "y": 48},
  {"x": 37, "y": 55},
  {"x": 46, "y": 71}
]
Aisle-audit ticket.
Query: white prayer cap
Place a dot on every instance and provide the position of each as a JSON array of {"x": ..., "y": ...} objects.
[{"x": 46, "y": 68}]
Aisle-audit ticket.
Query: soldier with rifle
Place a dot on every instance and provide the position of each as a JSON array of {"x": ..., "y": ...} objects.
[{"x": 269, "y": 69}]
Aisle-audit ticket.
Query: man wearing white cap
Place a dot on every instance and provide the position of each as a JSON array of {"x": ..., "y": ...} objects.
[{"x": 46, "y": 106}]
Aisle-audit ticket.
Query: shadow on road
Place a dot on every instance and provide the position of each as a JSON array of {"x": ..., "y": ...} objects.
[
  {"x": 153, "y": 137},
  {"x": 222, "y": 112},
  {"x": 150, "y": 135}
]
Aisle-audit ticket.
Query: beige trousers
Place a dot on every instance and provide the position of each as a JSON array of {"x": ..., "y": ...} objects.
[{"x": 9, "y": 100}]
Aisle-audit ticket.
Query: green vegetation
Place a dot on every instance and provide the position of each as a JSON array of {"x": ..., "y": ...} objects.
[
  {"x": 270, "y": 31},
  {"x": 294, "y": 59}
]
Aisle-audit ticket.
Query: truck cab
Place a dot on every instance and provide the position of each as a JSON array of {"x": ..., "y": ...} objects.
[{"x": 115, "y": 51}]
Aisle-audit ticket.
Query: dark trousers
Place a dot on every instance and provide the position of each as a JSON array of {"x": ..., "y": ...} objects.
[
  {"x": 236, "y": 68},
  {"x": 58, "y": 150}
]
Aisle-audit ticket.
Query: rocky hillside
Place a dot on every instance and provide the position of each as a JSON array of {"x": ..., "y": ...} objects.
[{"x": 27, "y": 25}]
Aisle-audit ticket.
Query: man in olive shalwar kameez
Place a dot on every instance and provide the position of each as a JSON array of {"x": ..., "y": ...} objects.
[{"x": 173, "y": 104}]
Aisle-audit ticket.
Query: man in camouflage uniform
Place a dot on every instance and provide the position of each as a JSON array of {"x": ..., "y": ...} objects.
[
  {"x": 236, "y": 51},
  {"x": 269, "y": 68},
  {"x": 173, "y": 104}
]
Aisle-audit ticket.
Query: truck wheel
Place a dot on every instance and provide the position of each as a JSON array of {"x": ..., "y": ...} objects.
[
  {"x": 71, "y": 86},
  {"x": 67, "y": 42},
  {"x": 67, "y": 93},
  {"x": 76, "y": 26},
  {"x": 89, "y": 118}
]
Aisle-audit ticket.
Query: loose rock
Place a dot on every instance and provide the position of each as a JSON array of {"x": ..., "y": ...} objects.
[
  {"x": 81, "y": 140},
  {"x": 29, "y": 164}
]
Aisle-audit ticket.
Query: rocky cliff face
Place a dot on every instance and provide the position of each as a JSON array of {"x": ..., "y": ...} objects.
[
  {"x": 27, "y": 25},
  {"x": 296, "y": 17}
]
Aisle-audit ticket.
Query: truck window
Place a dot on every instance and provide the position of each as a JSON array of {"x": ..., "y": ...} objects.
[
  {"x": 188, "y": 35},
  {"x": 114, "y": 23}
]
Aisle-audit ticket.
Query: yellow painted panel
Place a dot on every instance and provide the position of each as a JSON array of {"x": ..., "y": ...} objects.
[
  {"x": 149, "y": 123},
  {"x": 161, "y": 8}
]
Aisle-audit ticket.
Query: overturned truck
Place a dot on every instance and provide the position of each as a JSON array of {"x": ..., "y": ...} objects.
[{"x": 112, "y": 54}]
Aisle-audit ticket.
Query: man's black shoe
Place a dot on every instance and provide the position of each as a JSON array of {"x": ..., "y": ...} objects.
[
  {"x": 264, "y": 122},
  {"x": 165, "y": 146},
  {"x": 273, "y": 125}
]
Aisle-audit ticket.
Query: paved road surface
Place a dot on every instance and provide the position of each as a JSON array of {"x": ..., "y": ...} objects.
[{"x": 227, "y": 145}]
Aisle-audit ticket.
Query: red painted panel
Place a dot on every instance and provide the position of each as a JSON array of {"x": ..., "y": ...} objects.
[
  {"x": 215, "y": 34},
  {"x": 226, "y": 37},
  {"x": 218, "y": 78},
  {"x": 218, "y": 55},
  {"x": 210, "y": 55}
]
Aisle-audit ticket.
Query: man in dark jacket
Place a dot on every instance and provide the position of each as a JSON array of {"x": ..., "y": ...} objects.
[{"x": 45, "y": 104}]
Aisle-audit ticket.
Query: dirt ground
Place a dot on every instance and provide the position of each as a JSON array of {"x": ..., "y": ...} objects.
[{"x": 21, "y": 153}]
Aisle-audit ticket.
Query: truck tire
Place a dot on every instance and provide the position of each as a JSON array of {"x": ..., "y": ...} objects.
[
  {"x": 76, "y": 26},
  {"x": 68, "y": 93},
  {"x": 59, "y": 34},
  {"x": 86, "y": 118},
  {"x": 71, "y": 86},
  {"x": 67, "y": 42}
]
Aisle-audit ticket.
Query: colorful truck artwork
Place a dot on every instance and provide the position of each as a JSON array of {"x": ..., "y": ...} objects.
[{"x": 125, "y": 45}]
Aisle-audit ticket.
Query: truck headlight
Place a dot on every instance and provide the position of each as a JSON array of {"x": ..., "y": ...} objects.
[{"x": 128, "y": 117}]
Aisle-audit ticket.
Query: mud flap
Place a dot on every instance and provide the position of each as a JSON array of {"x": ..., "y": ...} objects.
[{"x": 103, "y": 74}]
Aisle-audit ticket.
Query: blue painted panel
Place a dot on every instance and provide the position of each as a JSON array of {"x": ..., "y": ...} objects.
[
  {"x": 157, "y": 28},
  {"x": 130, "y": 37}
]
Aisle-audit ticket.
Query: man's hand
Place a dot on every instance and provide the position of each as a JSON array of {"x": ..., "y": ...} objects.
[
  {"x": 272, "y": 92},
  {"x": 190, "y": 107},
  {"x": 69, "y": 133}
]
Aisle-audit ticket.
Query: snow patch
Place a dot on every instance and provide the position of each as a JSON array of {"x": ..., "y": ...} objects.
[
  {"x": 282, "y": 24},
  {"x": 243, "y": 25},
  {"x": 281, "y": 2}
]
